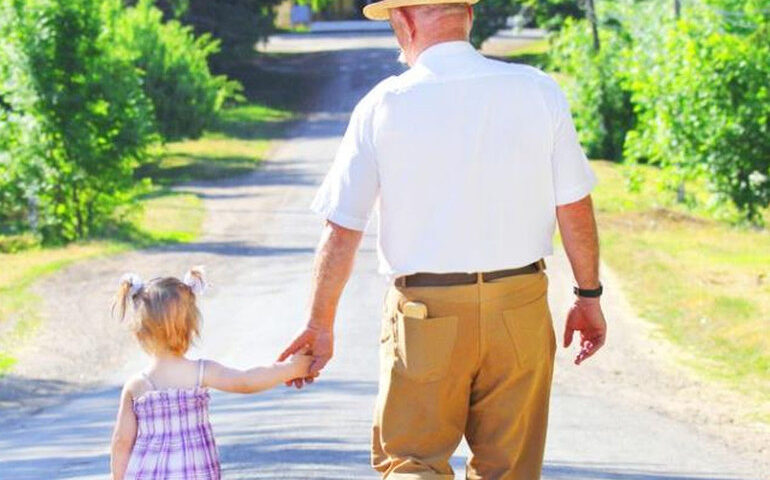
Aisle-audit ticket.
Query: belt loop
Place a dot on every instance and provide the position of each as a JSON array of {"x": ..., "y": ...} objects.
[
  {"x": 479, "y": 277},
  {"x": 541, "y": 264}
]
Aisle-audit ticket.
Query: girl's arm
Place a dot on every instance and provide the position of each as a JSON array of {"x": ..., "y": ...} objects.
[
  {"x": 124, "y": 435},
  {"x": 255, "y": 379}
]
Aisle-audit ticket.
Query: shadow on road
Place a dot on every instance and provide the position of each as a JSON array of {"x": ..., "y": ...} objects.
[
  {"x": 282, "y": 430},
  {"x": 15, "y": 387},
  {"x": 232, "y": 249},
  {"x": 282, "y": 433},
  {"x": 566, "y": 471}
]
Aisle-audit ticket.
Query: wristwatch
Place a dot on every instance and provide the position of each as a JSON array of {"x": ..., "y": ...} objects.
[{"x": 589, "y": 292}]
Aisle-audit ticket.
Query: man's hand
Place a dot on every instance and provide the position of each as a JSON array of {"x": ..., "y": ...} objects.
[
  {"x": 586, "y": 317},
  {"x": 581, "y": 242},
  {"x": 315, "y": 341}
]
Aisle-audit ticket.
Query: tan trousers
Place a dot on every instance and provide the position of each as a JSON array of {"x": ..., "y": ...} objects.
[{"x": 480, "y": 365}]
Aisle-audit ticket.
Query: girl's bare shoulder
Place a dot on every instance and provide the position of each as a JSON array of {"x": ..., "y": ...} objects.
[{"x": 136, "y": 386}]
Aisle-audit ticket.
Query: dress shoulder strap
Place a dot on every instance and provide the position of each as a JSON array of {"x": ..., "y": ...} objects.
[
  {"x": 149, "y": 381},
  {"x": 201, "y": 366}
]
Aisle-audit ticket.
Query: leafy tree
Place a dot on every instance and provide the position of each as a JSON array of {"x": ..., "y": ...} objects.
[
  {"x": 20, "y": 131},
  {"x": 551, "y": 14},
  {"x": 700, "y": 88},
  {"x": 594, "y": 81},
  {"x": 80, "y": 109},
  {"x": 176, "y": 76}
]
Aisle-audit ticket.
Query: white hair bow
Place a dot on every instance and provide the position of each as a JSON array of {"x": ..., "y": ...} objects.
[
  {"x": 135, "y": 281},
  {"x": 195, "y": 280}
]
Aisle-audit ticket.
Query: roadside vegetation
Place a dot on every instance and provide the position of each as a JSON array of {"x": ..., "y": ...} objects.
[
  {"x": 104, "y": 118},
  {"x": 677, "y": 108},
  {"x": 704, "y": 282}
]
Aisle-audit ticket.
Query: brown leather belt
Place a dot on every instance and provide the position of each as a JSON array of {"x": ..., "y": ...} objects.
[{"x": 452, "y": 279}]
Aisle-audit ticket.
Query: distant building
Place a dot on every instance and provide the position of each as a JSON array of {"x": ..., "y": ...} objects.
[{"x": 335, "y": 10}]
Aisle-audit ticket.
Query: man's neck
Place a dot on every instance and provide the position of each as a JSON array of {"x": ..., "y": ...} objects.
[{"x": 421, "y": 46}]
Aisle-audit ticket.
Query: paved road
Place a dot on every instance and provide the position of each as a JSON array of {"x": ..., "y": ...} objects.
[{"x": 258, "y": 247}]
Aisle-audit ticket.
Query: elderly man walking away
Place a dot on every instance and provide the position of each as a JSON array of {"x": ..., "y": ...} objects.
[{"x": 471, "y": 163}]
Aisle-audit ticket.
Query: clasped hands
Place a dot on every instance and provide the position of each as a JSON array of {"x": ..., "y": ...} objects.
[{"x": 316, "y": 341}]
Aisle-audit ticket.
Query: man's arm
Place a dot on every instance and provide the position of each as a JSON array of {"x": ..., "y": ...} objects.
[
  {"x": 333, "y": 264},
  {"x": 581, "y": 240},
  {"x": 577, "y": 225}
]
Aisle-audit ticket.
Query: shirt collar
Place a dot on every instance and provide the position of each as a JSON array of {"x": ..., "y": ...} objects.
[{"x": 440, "y": 51}]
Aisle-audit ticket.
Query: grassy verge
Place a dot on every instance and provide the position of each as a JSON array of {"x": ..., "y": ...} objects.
[
  {"x": 157, "y": 221},
  {"x": 234, "y": 146},
  {"x": 705, "y": 283},
  {"x": 535, "y": 54}
]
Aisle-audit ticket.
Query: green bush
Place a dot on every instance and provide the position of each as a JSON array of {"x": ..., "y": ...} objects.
[
  {"x": 185, "y": 95},
  {"x": 21, "y": 130},
  {"x": 17, "y": 243},
  {"x": 75, "y": 118},
  {"x": 594, "y": 80},
  {"x": 702, "y": 95},
  {"x": 85, "y": 86}
]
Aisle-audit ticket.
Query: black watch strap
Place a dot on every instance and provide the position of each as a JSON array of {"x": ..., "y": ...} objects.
[{"x": 589, "y": 292}]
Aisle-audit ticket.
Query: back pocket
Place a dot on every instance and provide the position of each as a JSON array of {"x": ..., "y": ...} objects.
[
  {"x": 424, "y": 346},
  {"x": 531, "y": 332}
]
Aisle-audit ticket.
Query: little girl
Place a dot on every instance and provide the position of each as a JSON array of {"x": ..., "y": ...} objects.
[{"x": 163, "y": 429}]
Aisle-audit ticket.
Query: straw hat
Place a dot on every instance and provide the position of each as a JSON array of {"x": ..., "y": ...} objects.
[{"x": 379, "y": 10}]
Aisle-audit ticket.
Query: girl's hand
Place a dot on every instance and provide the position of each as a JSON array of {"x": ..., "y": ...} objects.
[{"x": 300, "y": 363}]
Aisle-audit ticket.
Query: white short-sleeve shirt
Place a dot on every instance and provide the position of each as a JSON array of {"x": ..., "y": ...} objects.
[{"x": 465, "y": 159}]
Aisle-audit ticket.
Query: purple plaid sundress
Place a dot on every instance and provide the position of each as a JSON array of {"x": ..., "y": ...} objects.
[{"x": 174, "y": 439}]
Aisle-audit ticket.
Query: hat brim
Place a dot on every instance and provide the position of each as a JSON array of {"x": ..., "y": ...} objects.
[{"x": 380, "y": 10}]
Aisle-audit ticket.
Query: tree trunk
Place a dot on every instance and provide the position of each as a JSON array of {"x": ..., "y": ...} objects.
[
  {"x": 78, "y": 213},
  {"x": 681, "y": 193},
  {"x": 591, "y": 14},
  {"x": 677, "y": 8}
]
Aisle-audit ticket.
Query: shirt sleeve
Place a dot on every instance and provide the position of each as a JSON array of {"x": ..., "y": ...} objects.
[
  {"x": 573, "y": 178},
  {"x": 351, "y": 187}
]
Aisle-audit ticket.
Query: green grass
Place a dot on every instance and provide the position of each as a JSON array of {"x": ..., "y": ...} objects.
[
  {"x": 535, "y": 54},
  {"x": 236, "y": 145},
  {"x": 6, "y": 362},
  {"x": 705, "y": 283}
]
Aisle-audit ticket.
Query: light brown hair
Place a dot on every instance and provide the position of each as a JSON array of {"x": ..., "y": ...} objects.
[{"x": 165, "y": 316}]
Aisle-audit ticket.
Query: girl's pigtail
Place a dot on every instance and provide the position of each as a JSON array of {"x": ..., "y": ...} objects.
[
  {"x": 130, "y": 286},
  {"x": 196, "y": 280}
]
